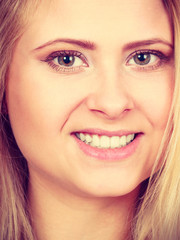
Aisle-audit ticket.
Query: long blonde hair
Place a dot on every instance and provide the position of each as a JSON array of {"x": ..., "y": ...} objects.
[
  {"x": 158, "y": 212},
  {"x": 158, "y": 216},
  {"x": 14, "y": 217}
]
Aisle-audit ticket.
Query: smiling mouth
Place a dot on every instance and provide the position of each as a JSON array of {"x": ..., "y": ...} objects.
[{"x": 105, "y": 142}]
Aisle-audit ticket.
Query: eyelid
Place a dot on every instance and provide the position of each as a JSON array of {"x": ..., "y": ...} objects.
[
  {"x": 162, "y": 59},
  {"x": 65, "y": 53},
  {"x": 64, "y": 69},
  {"x": 147, "y": 51}
]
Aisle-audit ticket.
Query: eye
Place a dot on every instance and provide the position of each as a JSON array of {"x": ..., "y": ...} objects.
[
  {"x": 146, "y": 59},
  {"x": 143, "y": 59},
  {"x": 67, "y": 61}
]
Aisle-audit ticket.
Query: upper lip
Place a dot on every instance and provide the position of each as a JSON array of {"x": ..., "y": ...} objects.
[{"x": 107, "y": 133}]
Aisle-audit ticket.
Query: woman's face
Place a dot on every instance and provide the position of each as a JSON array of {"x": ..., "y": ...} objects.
[{"x": 89, "y": 93}]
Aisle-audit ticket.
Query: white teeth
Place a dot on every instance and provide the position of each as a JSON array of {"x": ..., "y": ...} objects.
[
  {"x": 115, "y": 142},
  {"x": 105, "y": 141},
  {"x": 88, "y": 138},
  {"x": 130, "y": 137},
  {"x": 123, "y": 141},
  {"x": 95, "y": 141},
  {"x": 82, "y": 137}
]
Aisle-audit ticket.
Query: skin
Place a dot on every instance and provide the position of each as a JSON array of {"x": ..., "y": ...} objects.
[{"x": 110, "y": 92}]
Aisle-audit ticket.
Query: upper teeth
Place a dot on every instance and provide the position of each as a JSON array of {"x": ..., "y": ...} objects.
[{"x": 105, "y": 141}]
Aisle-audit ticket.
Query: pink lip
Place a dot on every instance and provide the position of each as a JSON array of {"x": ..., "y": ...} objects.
[{"x": 109, "y": 154}]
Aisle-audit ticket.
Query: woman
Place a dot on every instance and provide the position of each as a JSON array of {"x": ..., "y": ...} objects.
[{"x": 90, "y": 120}]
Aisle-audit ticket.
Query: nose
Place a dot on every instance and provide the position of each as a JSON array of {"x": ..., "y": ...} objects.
[{"x": 110, "y": 98}]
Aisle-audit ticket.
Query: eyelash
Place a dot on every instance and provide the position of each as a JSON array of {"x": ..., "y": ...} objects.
[
  {"x": 76, "y": 56},
  {"x": 161, "y": 59},
  {"x": 59, "y": 54}
]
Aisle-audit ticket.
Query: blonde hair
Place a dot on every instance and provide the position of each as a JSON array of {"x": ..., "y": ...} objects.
[
  {"x": 157, "y": 215},
  {"x": 14, "y": 217}
]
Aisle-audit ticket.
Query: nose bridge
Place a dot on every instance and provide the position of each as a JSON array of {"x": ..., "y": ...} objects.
[{"x": 110, "y": 96}]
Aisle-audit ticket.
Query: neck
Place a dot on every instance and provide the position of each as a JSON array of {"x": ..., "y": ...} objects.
[{"x": 65, "y": 216}]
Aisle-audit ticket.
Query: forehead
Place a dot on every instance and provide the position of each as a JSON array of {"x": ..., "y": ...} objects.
[{"x": 99, "y": 20}]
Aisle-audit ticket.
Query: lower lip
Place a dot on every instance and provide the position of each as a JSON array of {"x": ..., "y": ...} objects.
[{"x": 110, "y": 154}]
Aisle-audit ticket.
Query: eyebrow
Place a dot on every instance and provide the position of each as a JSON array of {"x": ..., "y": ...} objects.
[
  {"x": 81, "y": 43},
  {"x": 148, "y": 42},
  {"x": 92, "y": 46}
]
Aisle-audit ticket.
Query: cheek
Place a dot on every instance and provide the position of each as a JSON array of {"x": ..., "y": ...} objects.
[
  {"x": 39, "y": 97},
  {"x": 155, "y": 98},
  {"x": 38, "y": 105}
]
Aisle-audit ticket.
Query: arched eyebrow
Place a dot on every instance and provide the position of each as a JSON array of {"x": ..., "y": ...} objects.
[
  {"x": 136, "y": 44},
  {"x": 81, "y": 43},
  {"x": 92, "y": 46}
]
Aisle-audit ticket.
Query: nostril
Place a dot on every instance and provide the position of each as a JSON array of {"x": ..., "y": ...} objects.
[
  {"x": 110, "y": 104},
  {"x": 110, "y": 113}
]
